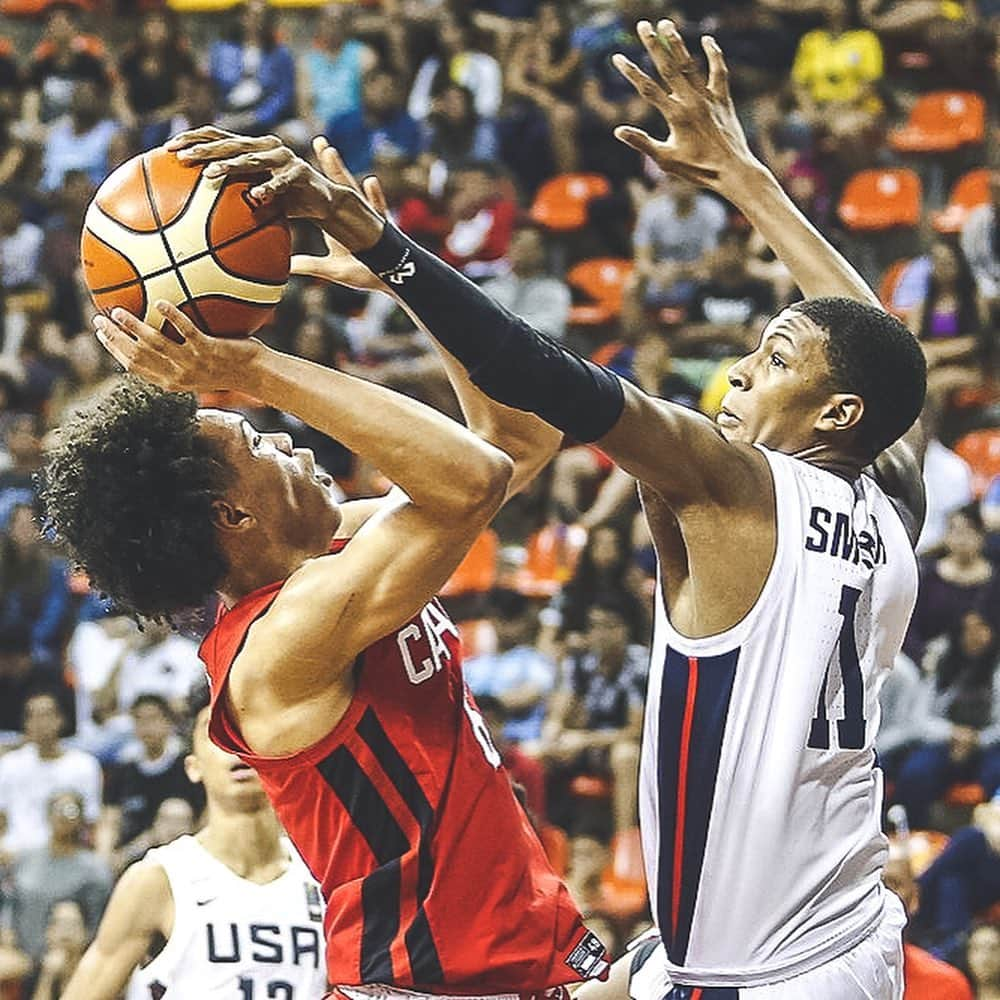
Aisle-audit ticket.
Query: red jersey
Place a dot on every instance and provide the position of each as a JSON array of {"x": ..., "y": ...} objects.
[{"x": 432, "y": 875}]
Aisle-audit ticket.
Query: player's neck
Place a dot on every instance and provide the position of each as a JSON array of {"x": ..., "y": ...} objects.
[
  {"x": 250, "y": 570},
  {"x": 844, "y": 466},
  {"x": 248, "y": 843}
]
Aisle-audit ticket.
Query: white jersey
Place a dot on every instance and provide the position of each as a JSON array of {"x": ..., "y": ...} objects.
[
  {"x": 234, "y": 939},
  {"x": 760, "y": 800}
]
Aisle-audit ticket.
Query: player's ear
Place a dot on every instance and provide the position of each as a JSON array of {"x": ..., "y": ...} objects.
[
  {"x": 842, "y": 411},
  {"x": 192, "y": 768},
  {"x": 227, "y": 516}
]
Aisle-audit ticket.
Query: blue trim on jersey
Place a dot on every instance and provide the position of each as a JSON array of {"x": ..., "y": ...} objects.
[
  {"x": 714, "y": 687},
  {"x": 703, "y": 993}
]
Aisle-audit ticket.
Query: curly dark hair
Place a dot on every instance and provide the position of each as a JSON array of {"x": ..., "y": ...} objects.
[
  {"x": 128, "y": 488},
  {"x": 874, "y": 355}
]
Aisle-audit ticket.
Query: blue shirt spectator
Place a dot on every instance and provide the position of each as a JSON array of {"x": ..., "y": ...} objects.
[{"x": 381, "y": 125}]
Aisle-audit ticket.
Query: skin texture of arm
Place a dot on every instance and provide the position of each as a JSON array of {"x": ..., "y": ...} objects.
[{"x": 140, "y": 908}]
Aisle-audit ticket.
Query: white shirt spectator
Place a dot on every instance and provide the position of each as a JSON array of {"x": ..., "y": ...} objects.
[
  {"x": 542, "y": 301},
  {"x": 65, "y": 151},
  {"x": 20, "y": 255},
  {"x": 27, "y": 783},
  {"x": 902, "y": 702},
  {"x": 475, "y": 70},
  {"x": 948, "y": 483},
  {"x": 674, "y": 238},
  {"x": 171, "y": 669}
]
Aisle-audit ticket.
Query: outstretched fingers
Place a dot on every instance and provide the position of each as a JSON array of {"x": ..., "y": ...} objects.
[
  {"x": 671, "y": 58},
  {"x": 645, "y": 86},
  {"x": 718, "y": 71},
  {"x": 375, "y": 196},
  {"x": 192, "y": 136}
]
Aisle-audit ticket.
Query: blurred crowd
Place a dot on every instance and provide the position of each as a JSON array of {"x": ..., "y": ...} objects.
[{"x": 489, "y": 125}]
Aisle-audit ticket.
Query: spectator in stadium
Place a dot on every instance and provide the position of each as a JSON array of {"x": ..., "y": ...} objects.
[
  {"x": 159, "y": 661},
  {"x": 457, "y": 60},
  {"x": 524, "y": 769},
  {"x": 962, "y": 722},
  {"x": 529, "y": 290},
  {"x": 153, "y": 70},
  {"x": 381, "y": 123},
  {"x": 63, "y": 60},
  {"x": 332, "y": 70},
  {"x": 902, "y": 703},
  {"x": 12, "y": 148},
  {"x": 983, "y": 957},
  {"x": 150, "y": 772},
  {"x": 926, "y": 977},
  {"x": 20, "y": 259},
  {"x": 34, "y": 595},
  {"x": 543, "y": 78},
  {"x": 600, "y": 572},
  {"x": 61, "y": 253},
  {"x": 836, "y": 67},
  {"x": 482, "y": 221},
  {"x": 253, "y": 73},
  {"x": 948, "y": 481},
  {"x": 981, "y": 245},
  {"x": 173, "y": 819},
  {"x": 455, "y": 133},
  {"x": 63, "y": 869},
  {"x": 959, "y": 580},
  {"x": 518, "y": 675},
  {"x": 34, "y": 772},
  {"x": 945, "y": 315},
  {"x": 675, "y": 231},
  {"x": 23, "y": 447},
  {"x": 88, "y": 372},
  {"x": 15, "y": 966},
  {"x": 729, "y": 308},
  {"x": 595, "y": 719},
  {"x": 65, "y": 942},
  {"x": 81, "y": 139},
  {"x": 963, "y": 881}
]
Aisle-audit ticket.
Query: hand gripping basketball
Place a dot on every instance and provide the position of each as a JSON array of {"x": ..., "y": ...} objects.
[
  {"x": 706, "y": 138},
  {"x": 199, "y": 364}
]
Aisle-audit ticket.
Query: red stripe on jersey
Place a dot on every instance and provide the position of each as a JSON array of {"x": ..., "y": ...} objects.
[{"x": 682, "y": 780}]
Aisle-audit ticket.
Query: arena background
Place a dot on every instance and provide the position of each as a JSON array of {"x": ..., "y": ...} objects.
[{"x": 489, "y": 124}]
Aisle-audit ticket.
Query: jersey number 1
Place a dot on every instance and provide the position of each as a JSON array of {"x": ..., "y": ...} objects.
[
  {"x": 276, "y": 990},
  {"x": 851, "y": 728}
]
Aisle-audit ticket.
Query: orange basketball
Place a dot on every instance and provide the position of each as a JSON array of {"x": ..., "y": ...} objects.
[{"x": 158, "y": 229}]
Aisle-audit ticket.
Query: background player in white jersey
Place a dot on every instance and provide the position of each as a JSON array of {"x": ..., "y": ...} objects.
[
  {"x": 229, "y": 914},
  {"x": 787, "y": 577}
]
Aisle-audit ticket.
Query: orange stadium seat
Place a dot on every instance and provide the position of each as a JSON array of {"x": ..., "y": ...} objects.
[
  {"x": 477, "y": 572},
  {"x": 890, "y": 281},
  {"x": 941, "y": 122},
  {"x": 623, "y": 883},
  {"x": 603, "y": 280},
  {"x": 561, "y": 203},
  {"x": 37, "y": 8},
  {"x": 981, "y": 449},
  {"x": 881, "y": 199},
  {"x": 965, "y": 794},
  {"x": 970, "y": 191},
  {"x": 552, "y": 555},
  {"x": 556, "y": 845}
]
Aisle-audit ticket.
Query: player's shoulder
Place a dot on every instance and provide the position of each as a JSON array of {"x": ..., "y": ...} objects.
[{"x": 146, "y": 885}]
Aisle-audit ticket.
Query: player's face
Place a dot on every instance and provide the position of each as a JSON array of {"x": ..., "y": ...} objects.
[
  {"x": 779, "y": 392},
  {"x": 276, "y": 482},
  {"x": 227, "y": 780}
]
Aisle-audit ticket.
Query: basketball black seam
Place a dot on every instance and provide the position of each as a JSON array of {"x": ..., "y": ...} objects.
[
  {"x": 127, "y": 284},
  {"x": 156, "y": 215},
  {"x": 166, "y": 245},
  {"x": 189, "y": 260}
]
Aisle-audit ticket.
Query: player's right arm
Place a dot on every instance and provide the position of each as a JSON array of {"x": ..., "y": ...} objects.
[{"x": 141, "y": 907}]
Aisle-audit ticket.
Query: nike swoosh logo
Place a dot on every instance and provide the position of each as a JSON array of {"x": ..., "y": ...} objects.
[{"x": 204, "y": 902}]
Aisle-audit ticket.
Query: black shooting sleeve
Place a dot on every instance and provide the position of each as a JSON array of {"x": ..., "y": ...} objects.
[{"x": 505, "y": 357}]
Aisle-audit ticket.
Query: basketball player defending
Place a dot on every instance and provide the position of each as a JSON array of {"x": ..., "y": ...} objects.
[
  {"x": 333, "y": 671},
  {"x": 787, "y": 577},
  {"x": 230, "y": 914}
]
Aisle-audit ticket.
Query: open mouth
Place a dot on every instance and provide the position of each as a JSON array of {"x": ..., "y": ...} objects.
[
  {"x": 725, "y": 418},
  {"x": 242, "y": 772}
]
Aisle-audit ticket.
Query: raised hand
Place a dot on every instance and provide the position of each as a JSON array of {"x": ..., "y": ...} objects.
[
  {"x": 199, "y": 364},
  {"x": 706, "y": 144},
  {"x": 339, "y": 265}
]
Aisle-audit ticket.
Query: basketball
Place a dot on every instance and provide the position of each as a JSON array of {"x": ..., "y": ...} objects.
[{"x": 159, "y": 229}]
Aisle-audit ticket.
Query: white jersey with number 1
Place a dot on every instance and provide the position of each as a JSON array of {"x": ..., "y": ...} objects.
[
  {"x": 760, "y": 801},
  {"x": 234, "y": 939}
]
